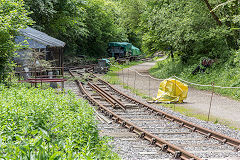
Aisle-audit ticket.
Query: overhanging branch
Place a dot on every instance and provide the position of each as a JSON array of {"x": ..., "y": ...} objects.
[{"x": 212, "y": 13}]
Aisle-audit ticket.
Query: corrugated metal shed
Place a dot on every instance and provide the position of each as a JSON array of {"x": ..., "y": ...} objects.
[
  {"x": 30, "y": 42},
  {"x": 34, "y": 37}
]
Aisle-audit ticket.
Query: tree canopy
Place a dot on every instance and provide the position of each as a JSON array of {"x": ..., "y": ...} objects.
[
  {"x": 186, "y": 27},
  {"x": 190, "y": 28},
  {"x": 13, "y": 16},
  {"x": 86, "y": 26}
]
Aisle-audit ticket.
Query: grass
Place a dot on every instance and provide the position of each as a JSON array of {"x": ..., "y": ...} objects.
[
  {"x": 40, "y": 124},
  {"x": 136, "y": 91},
  {"x": 112, "y": 74},
  {"x": 112, "y": 77},
  {"x": 193, "y": 113},
  {"x": 190, "y": 112}
]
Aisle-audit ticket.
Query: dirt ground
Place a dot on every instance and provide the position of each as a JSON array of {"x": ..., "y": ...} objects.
[{"x": 223, "y": 108}]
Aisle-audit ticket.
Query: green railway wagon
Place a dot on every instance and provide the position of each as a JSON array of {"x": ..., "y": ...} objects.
[
  {"x": 122, "y": 50},
  {"x": 135, "y": 51}
]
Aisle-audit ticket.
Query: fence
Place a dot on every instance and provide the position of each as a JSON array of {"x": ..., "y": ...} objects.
[{"x": 35, "y": 76}]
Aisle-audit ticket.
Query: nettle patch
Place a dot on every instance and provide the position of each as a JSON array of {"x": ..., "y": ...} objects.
[{"x": 40, "y": 124}]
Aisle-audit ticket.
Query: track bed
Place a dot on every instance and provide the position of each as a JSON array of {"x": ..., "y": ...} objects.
[{"x": 131, "y": 122}]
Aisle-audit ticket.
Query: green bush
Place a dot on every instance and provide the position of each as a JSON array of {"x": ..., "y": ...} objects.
[
  {"x": 43, "y": 124},
  {"x": 13, "y": 17}
]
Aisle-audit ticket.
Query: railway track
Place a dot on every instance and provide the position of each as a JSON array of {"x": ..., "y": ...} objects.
[{"x": 179, "y": 138}]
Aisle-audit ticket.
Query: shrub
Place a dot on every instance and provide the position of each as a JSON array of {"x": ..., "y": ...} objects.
[
  {"x": 41, "y": 124},
  {"x": 13, "y": 16}
]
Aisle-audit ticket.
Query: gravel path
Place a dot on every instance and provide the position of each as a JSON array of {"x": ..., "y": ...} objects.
[{"x": 223, "y": 108}]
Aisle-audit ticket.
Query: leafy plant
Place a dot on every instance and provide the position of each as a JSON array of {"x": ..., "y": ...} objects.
[
  {"x": 13, "y": 17},
  {"x": 40, "y": 124}
]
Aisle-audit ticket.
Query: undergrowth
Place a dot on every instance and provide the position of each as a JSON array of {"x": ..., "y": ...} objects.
[
  {"x": 221, "y": 74},
  {"x": 43, "y": 124}
]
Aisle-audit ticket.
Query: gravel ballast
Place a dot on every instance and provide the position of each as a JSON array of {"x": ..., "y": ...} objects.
[{"x": 129, "y": 146}]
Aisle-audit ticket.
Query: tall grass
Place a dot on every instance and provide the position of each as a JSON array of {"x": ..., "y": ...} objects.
[{"x": 41, "y": 124}]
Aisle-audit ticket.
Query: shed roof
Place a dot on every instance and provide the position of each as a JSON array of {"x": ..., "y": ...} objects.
[
  {"x": 30, "y": 42},
  {"x": 41, "y": 37}
]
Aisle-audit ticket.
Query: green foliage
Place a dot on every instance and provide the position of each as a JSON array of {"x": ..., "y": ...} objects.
[
  {"x": 186, "y": 26},
  {"x": 101, "y": 21},
  {"x": 62, "y": 19},
  {"x": 237, "y": 58},
  {"x": 229, "y": 13},
  {"x": 130, "y": 17},
  {"x": 13, "y": 16},
  {"x": 75, "y": 60},
  {"x": 41, "y": 124},
  {"x": 85, "y": 26}
]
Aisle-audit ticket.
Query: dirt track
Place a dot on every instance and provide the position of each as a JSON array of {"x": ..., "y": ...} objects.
[{"x": 224, "y": 109}]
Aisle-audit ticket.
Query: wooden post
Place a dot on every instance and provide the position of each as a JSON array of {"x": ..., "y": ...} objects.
[
  {"x": 62, "y": 70},
  {"x": 128, "y": 77},
  {"x": 149, "y": 78},
  {"x": 210, "y": 106},
  {"x": 175, "y": 95},
  {"x": 123, "y": 77},
  {"x": 35, "y": 76},
  {"x": 135, "y": 82}
]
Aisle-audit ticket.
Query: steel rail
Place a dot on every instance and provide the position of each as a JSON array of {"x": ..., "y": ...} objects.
[
  {"x": 107, "y": 98},
  {"x": 204, "y": 131},
  {"x": 121, "y": 105},
  {"x": 164, "y": 145},
  {"x": 183, "y": 123},
  {"x": 81, "y": 67}
]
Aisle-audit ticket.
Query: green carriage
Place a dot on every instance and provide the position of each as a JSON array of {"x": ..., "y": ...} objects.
[{"x": 122, "y": 50}]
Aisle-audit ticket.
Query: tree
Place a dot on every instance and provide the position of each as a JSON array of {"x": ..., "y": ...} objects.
[
  {"x": 103, "y": 26},
  {"x": 212, "y": 13},
  {"x": 13, "y": 17},
  {"x": 131, "y": 12},
  {"x": 62, "y": 19},
  {"x": 229, "y": 15},
  {"x": 186, "y": 26},
  {"x": 85, "y": 26}
]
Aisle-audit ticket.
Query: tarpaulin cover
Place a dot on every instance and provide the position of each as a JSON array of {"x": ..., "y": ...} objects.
[
  {"x": 127, "y": 46},
  {"x": 107, "y": 61},
  {"x": 135, "y": 51},
  {"x": 171, "y": 90}
]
